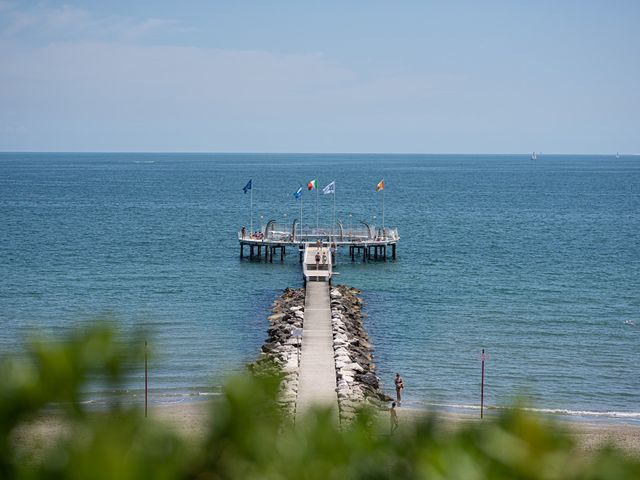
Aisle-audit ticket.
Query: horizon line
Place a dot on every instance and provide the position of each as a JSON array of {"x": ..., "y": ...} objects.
[{"x": 194, "y": 152}]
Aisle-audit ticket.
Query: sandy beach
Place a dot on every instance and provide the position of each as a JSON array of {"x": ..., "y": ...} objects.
[
  {"x": 589, "y": 436},
  {"x": 191, "y": 420}
]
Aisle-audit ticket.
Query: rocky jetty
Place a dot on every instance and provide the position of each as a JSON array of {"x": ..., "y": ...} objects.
[
  {"x": 357, "y": 383},
  {"x": 281, "y": 350}
]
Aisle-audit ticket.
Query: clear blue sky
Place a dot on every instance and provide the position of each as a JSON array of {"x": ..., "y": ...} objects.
[{"x": 343, "y": 76}]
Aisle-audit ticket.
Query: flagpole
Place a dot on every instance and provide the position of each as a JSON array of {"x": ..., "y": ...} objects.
[
  {"x": 333, "y": 225},
  {"x": 300, "y": 216},
  {"x": 251, "y": 212},
  {"x": 383, "y": 232},
  {"x": 317, "y": 221}
]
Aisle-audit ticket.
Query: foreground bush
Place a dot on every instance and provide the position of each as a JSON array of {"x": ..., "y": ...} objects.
[{"x": 250, "y": 439}]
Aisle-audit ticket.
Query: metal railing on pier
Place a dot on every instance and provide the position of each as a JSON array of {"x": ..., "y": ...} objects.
[{"x": 271, "y": 234}]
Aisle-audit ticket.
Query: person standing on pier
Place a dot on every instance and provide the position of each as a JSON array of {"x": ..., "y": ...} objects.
[
  {"x": 399, "y": 387},
  {"x": 244, "y": 231}
]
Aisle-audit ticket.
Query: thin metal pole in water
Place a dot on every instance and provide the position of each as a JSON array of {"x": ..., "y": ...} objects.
[
  {"x": 146, "y": 380},
  {"x": 251, "y": 211},
  {"x": 482, "y": 387}
]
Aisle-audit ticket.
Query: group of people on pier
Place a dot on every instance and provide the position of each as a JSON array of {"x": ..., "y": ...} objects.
[
  {"x": 257, "y": 235},
  {"x": 320, "y": 255}
]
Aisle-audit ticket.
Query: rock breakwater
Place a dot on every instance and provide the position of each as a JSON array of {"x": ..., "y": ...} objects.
[
  {"x": 281, "y": 350},
  {"x": 356, "y": 381}
]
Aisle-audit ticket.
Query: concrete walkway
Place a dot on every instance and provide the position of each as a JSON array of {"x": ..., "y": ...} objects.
[{"x": 317, "y": 374}]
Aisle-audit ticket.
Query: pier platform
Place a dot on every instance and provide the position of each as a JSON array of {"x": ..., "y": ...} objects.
[{"x": 367, "y": 242}]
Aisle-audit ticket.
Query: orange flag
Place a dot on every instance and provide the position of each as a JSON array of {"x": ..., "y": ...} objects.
[{"x": 380, "y": 185}]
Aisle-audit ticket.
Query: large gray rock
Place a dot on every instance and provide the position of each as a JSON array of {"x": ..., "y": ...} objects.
[{"x": 368, "y": 379}]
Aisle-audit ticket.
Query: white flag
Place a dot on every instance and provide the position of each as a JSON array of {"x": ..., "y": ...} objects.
[{"x": 331, "y": 188}]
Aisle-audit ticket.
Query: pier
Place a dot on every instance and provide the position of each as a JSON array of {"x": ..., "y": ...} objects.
[
  {"x": 366, "y": 242},
  {"x": 318, "y": 380},
  {"x": 317, "y": 374}
]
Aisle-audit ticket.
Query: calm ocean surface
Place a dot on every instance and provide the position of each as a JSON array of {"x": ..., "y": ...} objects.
[{"x": 538, "y": 262}]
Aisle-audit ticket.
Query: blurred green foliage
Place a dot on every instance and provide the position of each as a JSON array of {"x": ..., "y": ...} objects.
[{"x": 250, "y": 437}]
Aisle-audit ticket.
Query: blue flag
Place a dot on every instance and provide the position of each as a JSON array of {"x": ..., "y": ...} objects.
[
  {"x": 247, "y": 187},
  {"x": 298, "y": 193}
]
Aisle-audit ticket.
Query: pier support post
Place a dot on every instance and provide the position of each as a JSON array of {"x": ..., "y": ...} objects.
[
  {"x": 393, "y": 251},
  {"x": 282, "y": 249},
  {"x": 259, "y": 250},
  {"x": 385, "y": 253},
  {"x": 251, "y": 251},
  {"x": 241, "y": 249}
]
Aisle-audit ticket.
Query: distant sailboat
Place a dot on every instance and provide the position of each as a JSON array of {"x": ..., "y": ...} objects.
[
  {"x": 617, "y": 155},
  {"x": 534, "y": 156}
]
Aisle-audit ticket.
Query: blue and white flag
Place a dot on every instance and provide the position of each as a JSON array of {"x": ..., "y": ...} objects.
[
  {"x": 247, "y": 187},
  {"x": 298, "y": 193},
  {"x": 331, "y": 188}
]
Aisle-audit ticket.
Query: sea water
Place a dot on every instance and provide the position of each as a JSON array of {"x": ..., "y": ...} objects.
[{"x": 537, "y": 262}]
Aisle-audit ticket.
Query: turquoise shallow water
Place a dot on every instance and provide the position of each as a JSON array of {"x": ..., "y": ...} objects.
[{"x": 536, "y": 261}]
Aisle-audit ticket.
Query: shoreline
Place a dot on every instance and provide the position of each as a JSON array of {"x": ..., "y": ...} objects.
[
  {"x": 190, "y": 420},
  {"x": 560, "y": 414},
  {"x": 463, "y": 411},
  {"x": 588, "y": 435}
]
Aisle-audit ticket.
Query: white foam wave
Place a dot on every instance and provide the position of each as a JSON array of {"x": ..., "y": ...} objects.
[
  {"x": 586, "y": 413},
  {"x": 553, "y": 411}
]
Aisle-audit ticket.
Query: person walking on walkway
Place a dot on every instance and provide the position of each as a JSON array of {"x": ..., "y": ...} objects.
[
  {"x": 399, "y": 387},
  {"x": 393, "y": 417}
]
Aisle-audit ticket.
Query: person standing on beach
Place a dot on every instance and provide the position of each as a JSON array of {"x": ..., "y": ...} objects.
[
  {"x": 393, "y": 417},
  {"x": 399, "y": 387}
]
